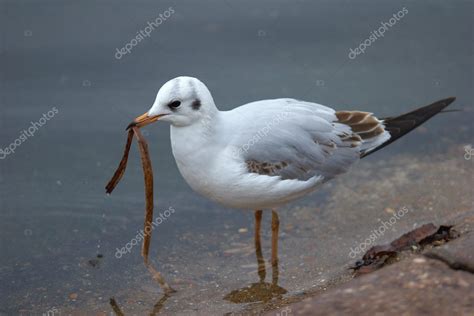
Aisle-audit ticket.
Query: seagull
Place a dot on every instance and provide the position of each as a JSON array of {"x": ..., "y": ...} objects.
[{"x": 267, "y": 153}]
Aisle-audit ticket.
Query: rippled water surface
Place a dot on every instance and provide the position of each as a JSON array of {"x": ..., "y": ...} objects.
[{"x": 60, "y": 232}]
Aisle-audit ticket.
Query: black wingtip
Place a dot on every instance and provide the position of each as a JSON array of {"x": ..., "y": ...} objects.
[
  {"x": 401, "y": 125},
  {"x": 445, "y": 102},
  {"x": 450, "y": 100}
]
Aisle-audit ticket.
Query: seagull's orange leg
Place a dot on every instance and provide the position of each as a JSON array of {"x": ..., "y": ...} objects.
[
  {"x": 275, "y": 226},
  {"x": 258, "y": 246}
]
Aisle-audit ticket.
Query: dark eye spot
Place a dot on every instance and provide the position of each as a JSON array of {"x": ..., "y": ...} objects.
[
  {"x": 173, "y": 105},
  {"x": 196, "y": 104}
]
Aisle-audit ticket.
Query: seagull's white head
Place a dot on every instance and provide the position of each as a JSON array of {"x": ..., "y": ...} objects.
[{"x": 182, "y": 101}]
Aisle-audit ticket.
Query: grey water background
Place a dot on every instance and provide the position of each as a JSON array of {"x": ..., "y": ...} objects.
[{"x": 54, "y": 214}]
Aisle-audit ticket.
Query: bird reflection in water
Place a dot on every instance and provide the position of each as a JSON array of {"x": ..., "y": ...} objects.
[{"x": 261, "y": 291}]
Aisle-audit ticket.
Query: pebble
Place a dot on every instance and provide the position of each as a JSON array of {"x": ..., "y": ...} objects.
[
  {"x": 73, "y": 296},
  {"x": 419, "y": 260},
  {"x": 390, "y": 210}
]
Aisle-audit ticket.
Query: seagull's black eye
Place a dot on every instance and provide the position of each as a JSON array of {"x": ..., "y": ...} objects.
[{"x": 173, "y": 105}]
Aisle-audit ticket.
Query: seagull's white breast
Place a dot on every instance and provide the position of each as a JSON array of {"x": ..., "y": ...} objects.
[{"x": 209, "y": 165}]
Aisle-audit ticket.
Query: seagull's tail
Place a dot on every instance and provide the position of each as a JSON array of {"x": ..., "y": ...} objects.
[{"x": 403, "y": 124}]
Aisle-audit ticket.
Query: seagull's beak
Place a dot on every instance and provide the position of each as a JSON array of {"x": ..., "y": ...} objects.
[{"x": 144, "y": 120}]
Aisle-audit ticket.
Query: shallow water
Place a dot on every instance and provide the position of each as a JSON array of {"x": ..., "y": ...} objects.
[{"x": 59, "y": 231}]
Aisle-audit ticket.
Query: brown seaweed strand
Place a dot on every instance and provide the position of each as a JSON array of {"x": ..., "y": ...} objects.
[
  {"x": 121, "y": 167},
  {"x": 148, "y": 176}
]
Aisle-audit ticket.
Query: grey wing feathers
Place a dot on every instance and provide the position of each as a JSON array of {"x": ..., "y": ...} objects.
[{"x": 307, "y": 141}]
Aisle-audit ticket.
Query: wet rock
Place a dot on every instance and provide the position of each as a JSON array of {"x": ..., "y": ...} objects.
[
  {"x": 458, "y": 254},
  {"x": 418, "y": 286},
  {"x": 438, "y": 281},
  {"x": 428, "y": 234}
]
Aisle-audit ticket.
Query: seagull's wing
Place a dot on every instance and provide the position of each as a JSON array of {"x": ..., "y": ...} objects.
[{"x": 299, "y": 140}]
